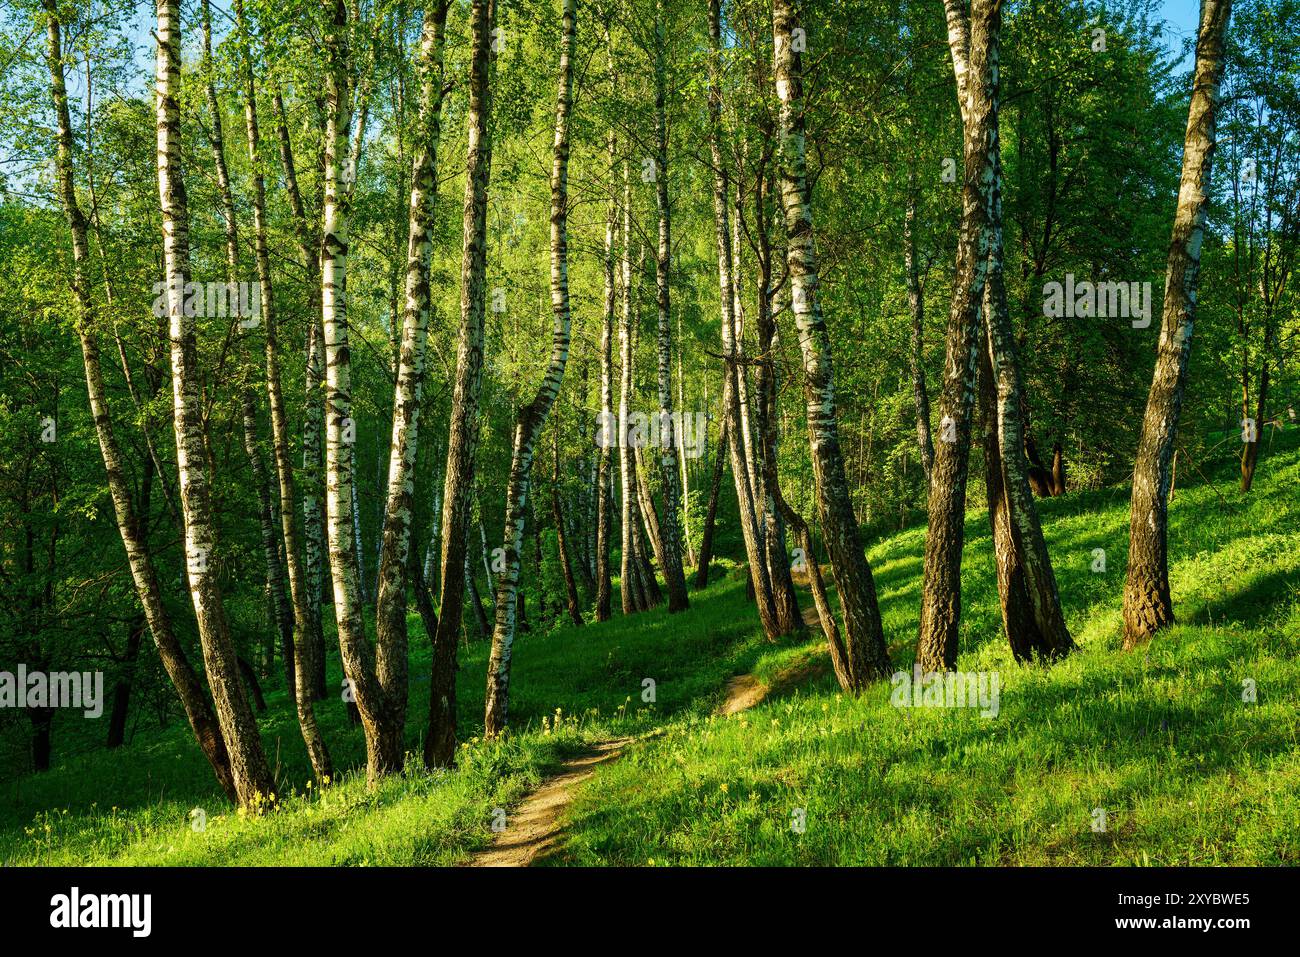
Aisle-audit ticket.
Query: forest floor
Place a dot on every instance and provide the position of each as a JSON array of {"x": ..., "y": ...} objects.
[{"x": 1158, "y": 756}]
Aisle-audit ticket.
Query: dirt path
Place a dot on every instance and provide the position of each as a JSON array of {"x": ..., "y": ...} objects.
[{"x": 535, "y": 826}]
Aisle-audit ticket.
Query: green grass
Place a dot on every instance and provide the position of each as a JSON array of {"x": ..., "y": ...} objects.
[
  {"x": 133, "y": 805},
  {"x": 1186, "y": 771}
]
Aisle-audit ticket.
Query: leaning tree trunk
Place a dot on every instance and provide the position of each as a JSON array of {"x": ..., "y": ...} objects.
[
  {"x": 275, "y": 577},
  {"x": 1148, "y": 606},
  {"x": 1049, "y": 636},
  {"x": 130, "y": 525},
  {"x": 671, "y": 558},
  {"x": 941, "y": 589},
  {"x": 741, "y": 467},
  {"x": 462, "y": 441},
  {"x": 252, "y": 777},
  {"x": 390, "y": 614},
  {"x": 864, "y": 640},
  {"x": 303, "y": 646},
  {"x": 784, "y": 597},
  {"x": 532, "y": 417}
]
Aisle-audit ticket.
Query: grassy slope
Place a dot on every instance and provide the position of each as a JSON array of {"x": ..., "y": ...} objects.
[
  {"x": 132, "y": 806},
  {"x": 1186, "y": 771}
]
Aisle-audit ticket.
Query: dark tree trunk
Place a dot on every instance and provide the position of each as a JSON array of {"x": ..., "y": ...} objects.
[{"x": 711, "y": 513}]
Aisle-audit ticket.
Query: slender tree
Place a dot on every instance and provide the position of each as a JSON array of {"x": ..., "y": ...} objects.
[
  {"x": 395, "y": 557},
  {"x": 1148, "y": 605},
  {"x": 864, "y": 641},
  {"x": 252, "y": 776},
  {"x": 440, "y": 741},
  {"x": 670, "y": 561},
  {"x": 129, "y": 524}
]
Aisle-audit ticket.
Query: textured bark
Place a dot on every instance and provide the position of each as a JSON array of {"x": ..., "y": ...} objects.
[
  {"x": 313, "y": 426},
  {"x": 440, "y": 741},
  {"x": 784, "y": 598},
  {"x": 864, "y": 643},
  {"x": 252, "y": 776},
  {"x": 303, "y": 646},
  {"x": 604, "y": 477},
  {"x": 532, "y": 417},
  {"x": 941, "y": 590},
  {"x": 1148, "y": 605},
  {"x": 131, "y": 526},
  {"x": 628, "y": 573},
  {"x": 340, "y": 453},
  {"x": 649, "y": 514},
  {"x": 741, "y": 466},
  {"x": 395, "y": 553},
  {"x": 1017, "y": 615},
  {"x": 1047, "y": 634},
  {"x": 670, "y": 552}
]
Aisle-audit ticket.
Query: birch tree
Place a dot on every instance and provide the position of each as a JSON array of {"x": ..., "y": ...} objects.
[
  {"x": 741, "y": 468},
  {"x": 1148, "y": 605},
  {"x": 671, "y": 559},
  {"x": 864, "y": 641},
  {"x": 458, "y": 487},
  {"x": 144, "y": 574},
  {"x": 532, "y": 417},
  {"x": 945, "y": 534},
  {"x": 390, "y": 616},
  {"x": 252, "y": 776}
]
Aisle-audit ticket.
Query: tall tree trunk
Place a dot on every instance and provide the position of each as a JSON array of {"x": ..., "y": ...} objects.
[
  {"x": 649, "y": 515},
  {"x": 532, "y": 417},
  {"x": 784, "y": 597},
  {"x": 628, "y": 575},
  {"x": 1047, "y": 633},
  {"x": 864, "y": 641},
  {"x": 741, "y": 468},
  {"x": 395, "y": 556},
  {"x": 608, "y": 428},
  {"x": 440, "y": 742},
  {"x": 670, "y": 560},
  {"x": 252, "y": 776},
  {"x": 303, "y": 648},
  {"x": 340, "y": 430},
  {"x": 941, "y": 590},
  {"x": 275, "y": 577},
  {"x": 313, "y": 425},
  {"x": 130, "y": 525},
  {"x": 1148, "y": 605}
]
